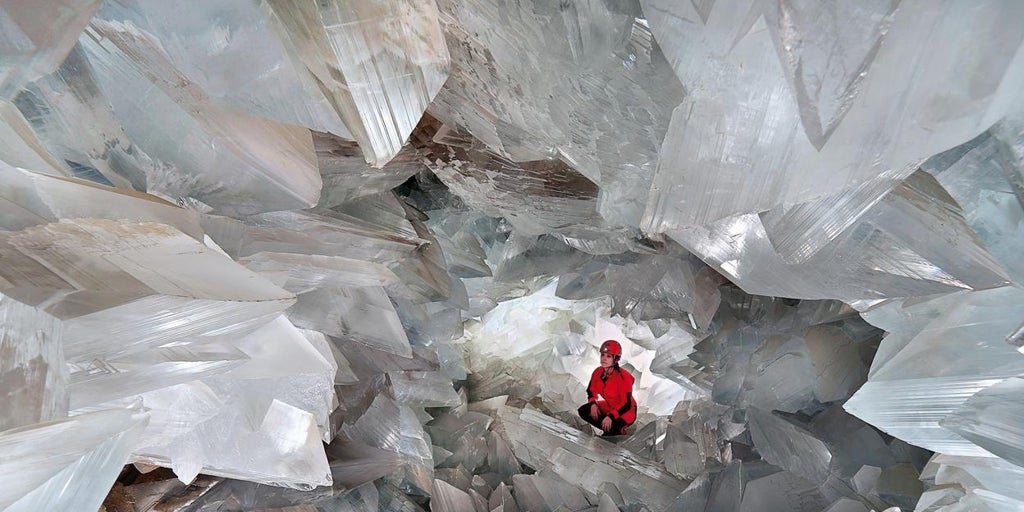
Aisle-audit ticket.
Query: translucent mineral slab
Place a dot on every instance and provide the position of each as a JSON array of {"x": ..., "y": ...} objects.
[
  {"x": 726, "y": 494},
  {"x": 541, "y": 442},
  {"x": 74, "y": 474},
  {"x": 792, "y": 102},
  {"x": 37, "y": 37},
  {"x": 983, "y": 175},
  {"x": 993, "y": 420},
  {"x": 21, "y": 147},
  {"x": 912, "y": 410},
  {"x": 362, "y": 314},
  {"x": 447, "y": 498},
  {"x": 77, "y": 126},
  {"x": 380, "y": 64},
  {"x": 240, "y": 55},
  {"x": 983, "y": 319},
  {"x": 275, "y": 444},
  {"x": 535, "y": 492},
  {"x": 788, "y": 446},
  {"x": 423, "y": 389},
  {"x": 232, "y": 161},
  {"x": 782, "y": 491},
  {"x": 501, "y": 500},
  {"x": 387, "y": 250},
  {"x": 103, "y": 380},
  {"x": 394, "y": 427},
  {"x": 536, "y": 197},
  {"x": 347, "y": 176},
  {"x": 275, "y": 405},
  {"x": 881, "y": 255},
  {"x": 29, "y": 199},
  {"x": 584, "y": 83},
  {"x": 33, "y": 375},
  {"x": 991, "y": 476},
  {"x": 124, "y": 287}
]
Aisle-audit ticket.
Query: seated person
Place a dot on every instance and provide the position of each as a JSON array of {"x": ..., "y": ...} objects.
[{"x": 616, "y": 409}]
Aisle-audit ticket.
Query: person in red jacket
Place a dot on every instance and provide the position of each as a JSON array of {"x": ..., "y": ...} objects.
[{"x": 610, "y": 405}]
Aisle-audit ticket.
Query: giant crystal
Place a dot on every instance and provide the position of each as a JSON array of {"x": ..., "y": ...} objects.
[
  {"x": 582, "y": 82},
  {"x": 790, "y": 165},
  {"x": 37, "y": 37},
  {"x": 939, "y": 364},
  {"x": 229, "y": 160},
  {"x": 881, "y": 255},
  {"x": 379, "y": 63},
  {"x": 72, "y": 474},
  {"x": 790, "y": 102}
]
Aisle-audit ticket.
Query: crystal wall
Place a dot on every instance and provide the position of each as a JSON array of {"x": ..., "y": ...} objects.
[{"x": 359, "y": 255}]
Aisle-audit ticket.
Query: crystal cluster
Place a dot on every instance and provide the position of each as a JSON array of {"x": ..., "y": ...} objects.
[{"x": 359, "y": 255}]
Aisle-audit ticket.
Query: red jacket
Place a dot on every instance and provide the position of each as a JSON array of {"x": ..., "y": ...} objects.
[{"x": 616, "y": 391}]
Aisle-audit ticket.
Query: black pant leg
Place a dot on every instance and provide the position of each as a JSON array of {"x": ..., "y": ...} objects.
[{"x": 584, "y": 412}]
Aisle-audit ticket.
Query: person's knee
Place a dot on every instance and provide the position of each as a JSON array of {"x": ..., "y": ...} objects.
[{"x": 584, "y": 411}]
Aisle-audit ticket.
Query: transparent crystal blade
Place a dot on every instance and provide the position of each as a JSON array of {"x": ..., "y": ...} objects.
[
  {"x": 380, "y": 64},
  {"x": 73, "y": 474},
  {"x": 37, "y": 37},
  {"x": 232, "y": 161}
]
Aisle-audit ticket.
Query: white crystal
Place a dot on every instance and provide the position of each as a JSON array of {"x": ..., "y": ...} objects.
[
  {"x": 37, "y": 37},
  {"x": 75, "y": 473}
]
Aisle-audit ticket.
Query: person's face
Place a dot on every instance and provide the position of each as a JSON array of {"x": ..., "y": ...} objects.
[{"x": 607, "y": 360}]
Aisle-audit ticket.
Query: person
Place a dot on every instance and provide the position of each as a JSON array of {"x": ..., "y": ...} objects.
[{"x": 610, "y": 405}]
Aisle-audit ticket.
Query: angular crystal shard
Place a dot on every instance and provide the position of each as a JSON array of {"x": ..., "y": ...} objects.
[
  {"x": 540, "y": 441},
  {"x": 992, "y": 419},
  {"x": 128, "y": 287},
  {"x": 232, "y": 161},
  {"x": 37, "y": 37},
  {"x": 788, "y": 446},
  {"x": 583, "y": 83},
  {"x": 33, "y": 375},
  {"x": 29, "y": 199},
  {"x": 983, "y": 175},
  {"x": 75, "y": 474},
  {"x": 800, "y": 111},
  {"x": 447, "y": 498},
  {"x": 881, "y": 255},
  {"x": 535, "y": 492},
  {"x": 21, "y": 147},
  {"x": 379, "y": 64},
  {"x": 277, "y": 401},
  {"x": 394, "y": 427}
]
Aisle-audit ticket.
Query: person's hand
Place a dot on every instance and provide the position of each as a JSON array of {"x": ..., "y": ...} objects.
[
  {"x": 606, "y": 423},
  {"x": 593, "y": 412}
]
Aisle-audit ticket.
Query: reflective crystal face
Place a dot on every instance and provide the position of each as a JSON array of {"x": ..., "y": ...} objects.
[{"x": 362, "y": 254}]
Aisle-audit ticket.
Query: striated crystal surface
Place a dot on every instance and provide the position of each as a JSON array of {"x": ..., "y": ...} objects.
[
  {"x": 36, "y": 38},
  {"x": 544, "y": 442},
  {"x": 229, "y": 160},
  {"x": 789, "y": 102},
  {"x": 280, "y": 396},
  {"x": 379, "y": 64},
  {"x": 21, "y": 147},
  {"x": 881, "y": 255},
  {"x": 33, "y": 375},
  {"x": 788, "y": 446},
  {"x": 360, "y": 255},
  {"x": 993, "y": 420},
  {"x": 29, "y": 199},
  {"x": 73, "y": 474},
  {"x": 585, "y": 83}
]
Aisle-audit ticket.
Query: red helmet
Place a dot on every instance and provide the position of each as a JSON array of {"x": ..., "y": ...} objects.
[{"x": 611, "y": 347}]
